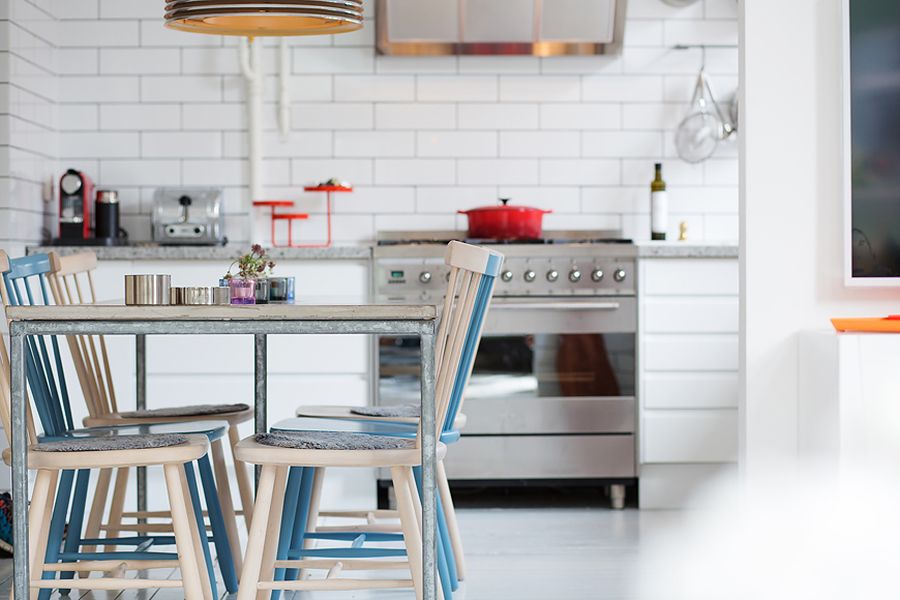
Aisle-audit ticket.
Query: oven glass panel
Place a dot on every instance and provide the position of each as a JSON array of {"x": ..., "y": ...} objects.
[{"x": 523, "y": 366}]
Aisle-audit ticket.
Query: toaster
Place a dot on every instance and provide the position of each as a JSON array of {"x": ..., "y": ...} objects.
[{"x": 188, "y": 215}]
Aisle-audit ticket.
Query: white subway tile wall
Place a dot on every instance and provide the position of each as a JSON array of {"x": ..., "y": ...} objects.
[
  {"x": 28, "y": 122},
  {"x": 420, "y": 137}
]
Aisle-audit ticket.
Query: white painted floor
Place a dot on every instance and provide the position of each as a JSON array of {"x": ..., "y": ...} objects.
[{"x": 518, "y": 554}]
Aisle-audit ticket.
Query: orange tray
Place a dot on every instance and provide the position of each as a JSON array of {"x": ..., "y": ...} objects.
[{"x": 873, "y": 325}]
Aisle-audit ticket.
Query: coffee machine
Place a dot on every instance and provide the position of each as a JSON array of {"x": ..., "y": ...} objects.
[
  {"x": 77, "y": 225},
  {"x": 75, "y": 190}
]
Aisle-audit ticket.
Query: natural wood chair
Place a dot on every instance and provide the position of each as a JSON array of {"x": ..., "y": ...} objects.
[
  {"x": 398, "y": 420},
  {"x": 23, "y": 281},
  {"x": 275, "y": 565},
  {"x": 175, "y": 453},
  {"x": 72, "y": 282}
]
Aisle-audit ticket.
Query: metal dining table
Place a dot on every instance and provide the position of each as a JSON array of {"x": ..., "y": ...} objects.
[{"x": 259, "y": 321}]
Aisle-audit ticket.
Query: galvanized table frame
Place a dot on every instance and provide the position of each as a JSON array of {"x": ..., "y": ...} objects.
[{"x": 19, "y": 328}]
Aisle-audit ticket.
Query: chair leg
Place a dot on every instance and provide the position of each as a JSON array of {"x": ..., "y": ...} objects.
[
  {"x": 402, "y": 478},
  {"x": 40, "y": 513},
  {"x": 312, "y": 518},
  {"x": 57, "y": 527},
  {"x": 267, "y": 562},
  {"x": 223, "y": 485},
  {"x": 452, "y": 523},
  {"x": 292, "y": 501},
  {"x": 446, "y": 567},
  {"x": 217, "y": 523},
  {"x": 301, "y": 519},
  {"x": 76, "y": 520},
  {"x": 417, "y": 505},
  {"x": 245, "y": 489},
  {"x": 195, "y": 518},
  {"x": 202, "y": 539},
  {"x": 117, "y": 505},
  {"x": 184, "y": 541},
  {"x": 98, "y": 507},
  {"x": 257, "y": 537}
]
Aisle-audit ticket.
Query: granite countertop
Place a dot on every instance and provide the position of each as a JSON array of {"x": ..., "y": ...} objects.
[
  {"x": 689, "y": 249},
  {"x": 645, "y": 249},
  {"x": 154, "y": 252}
]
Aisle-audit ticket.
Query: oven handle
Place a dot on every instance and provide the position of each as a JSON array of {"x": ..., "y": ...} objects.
[{"x": 556, "y": 306}]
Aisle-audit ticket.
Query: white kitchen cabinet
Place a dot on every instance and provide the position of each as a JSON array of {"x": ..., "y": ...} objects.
[{"x": 688, "y": 377}]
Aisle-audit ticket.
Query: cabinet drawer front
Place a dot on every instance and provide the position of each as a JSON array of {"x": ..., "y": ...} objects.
[
  {"x": 690, "y": 277},
  {"x": 542, "y": 457},
  {"x": 679, "y": 486},
  {"x": 690, "y": 390},
  {"x": 690, "y": 315},
  {"x": 690, "y": 353},
  {"x": 693, "y": 436}
]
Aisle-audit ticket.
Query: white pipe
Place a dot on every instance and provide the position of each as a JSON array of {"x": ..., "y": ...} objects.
[
  {"x": 251, "y": 69},
  {"x": 284, "y": 98}
]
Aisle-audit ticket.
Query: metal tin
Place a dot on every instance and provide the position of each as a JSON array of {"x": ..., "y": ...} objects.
[
  {"x": 147, "y": 290},
  {"x": 222, "y": 295},
  {"x": 193, "y": 295}
]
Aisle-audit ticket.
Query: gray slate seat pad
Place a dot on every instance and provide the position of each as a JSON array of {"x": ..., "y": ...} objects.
[
  {"x": 333, "y": 440},
  {"x": 113, "y": 442},
  {"x": 400, "y": 410},
  {"x": 194, "y": 410}
]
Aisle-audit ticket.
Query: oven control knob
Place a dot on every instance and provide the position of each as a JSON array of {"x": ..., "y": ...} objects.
[
  {"x": 506, "y": 276},
  {"x": 552, "y": 275},
  {"x": 574, "y": 275},
  {"x": 597, "y": 275},
  {"x": 425, "y": 277},
  {"x": 619, "y": 275},
  {"x": 529, "y": 276}
]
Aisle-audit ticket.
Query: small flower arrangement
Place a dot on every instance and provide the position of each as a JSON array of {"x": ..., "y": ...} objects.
[{"x": 256, "y": 264}]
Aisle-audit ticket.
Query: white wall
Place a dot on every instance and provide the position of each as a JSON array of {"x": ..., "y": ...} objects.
[
  {"x": 792, "y": 229},
  {"x": 420, "y": 137},
  {"x": 28, "y": 138}
]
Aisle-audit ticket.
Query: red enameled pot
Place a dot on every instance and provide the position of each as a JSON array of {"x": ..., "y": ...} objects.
[{"x": 505, "y": 222}]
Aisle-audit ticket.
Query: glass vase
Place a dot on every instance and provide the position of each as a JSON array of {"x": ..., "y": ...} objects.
[
  {"x": 262, "y": 291},
  {"x": 243, "y": 291},
  {"x": 281, "y": 290}
]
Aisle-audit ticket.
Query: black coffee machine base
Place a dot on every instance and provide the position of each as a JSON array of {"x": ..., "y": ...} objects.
[{"x": 91, "y": 242}]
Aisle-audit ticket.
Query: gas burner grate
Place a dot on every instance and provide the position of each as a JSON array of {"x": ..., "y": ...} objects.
[{"x": 556, "y": 238}]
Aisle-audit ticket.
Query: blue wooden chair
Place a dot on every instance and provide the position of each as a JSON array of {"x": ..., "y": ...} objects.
[
  {"x": 318, "y": 443},
  {"x": 46, "y": 381},
  {"x": 450, "y": 555},
  {"x": 72, "y": 282},
  {"x": 51, "y": 460}
]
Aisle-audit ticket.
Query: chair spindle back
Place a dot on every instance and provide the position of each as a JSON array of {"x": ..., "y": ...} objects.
[
  {"x": 72, "y": 282},
  {"x": 43, "y": 367},
  {"x": 473, "y": 271}
]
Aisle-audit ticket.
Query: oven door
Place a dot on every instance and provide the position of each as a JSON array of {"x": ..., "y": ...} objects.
[{"x": 545, "y": 366}]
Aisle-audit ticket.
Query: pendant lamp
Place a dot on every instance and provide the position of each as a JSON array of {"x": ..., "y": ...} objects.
[{"x": 264, "y": 18}]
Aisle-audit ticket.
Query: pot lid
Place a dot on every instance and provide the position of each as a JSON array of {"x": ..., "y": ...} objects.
[{"x": 505, "y": 207}]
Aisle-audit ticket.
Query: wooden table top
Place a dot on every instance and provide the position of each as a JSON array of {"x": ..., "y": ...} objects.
[{"x": 307, "y": 310}]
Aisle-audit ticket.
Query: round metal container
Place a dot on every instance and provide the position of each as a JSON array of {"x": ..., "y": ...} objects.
[
  {"x": 193, "y": 295},
  {"x": 222, "y": 295},
  {"x": 147, "y": 290}
]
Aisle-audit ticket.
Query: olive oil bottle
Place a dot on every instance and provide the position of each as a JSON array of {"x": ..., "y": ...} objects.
[{"x": 659, "y": 206}]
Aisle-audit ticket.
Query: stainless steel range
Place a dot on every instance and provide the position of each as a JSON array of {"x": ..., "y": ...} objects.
[{"x": 552, "y": 393}]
